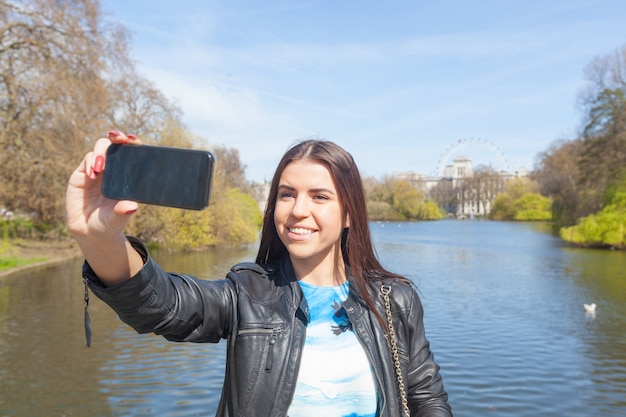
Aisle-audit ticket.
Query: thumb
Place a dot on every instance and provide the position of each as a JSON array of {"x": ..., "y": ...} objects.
[{"x": 123, "y": 210}]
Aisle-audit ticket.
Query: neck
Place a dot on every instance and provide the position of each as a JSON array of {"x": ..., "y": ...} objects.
[{"x": 322, "y": 274}]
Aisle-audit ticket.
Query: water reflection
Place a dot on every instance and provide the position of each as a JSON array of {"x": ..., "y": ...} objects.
[
  {"x": 43, "y": 368},
  {"x": 188, "y": 379},
  {"x": 601, "y": 276}
]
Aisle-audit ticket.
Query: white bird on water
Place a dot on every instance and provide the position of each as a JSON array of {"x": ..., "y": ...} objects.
[{"x": 590, "y": 308}]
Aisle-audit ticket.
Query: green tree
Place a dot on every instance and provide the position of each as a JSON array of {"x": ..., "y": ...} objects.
[
  {"x": 237, "y": 218},
  {"x": 397, "y": 199},
  {"x": 233, "y": 216},
  {"x": 520, "y": 201},
  {"x": 380, "y": 199},
  {"x": 188, "y": 229},
  {"x": 406, "y": 199},
  {"x": 429, "y": 210},
  {"x": 532, "y": 206},
  {"x": 502, "y": 208},
  {"x": 382, "y": 210},
  {"x": 606, "y": 228}
]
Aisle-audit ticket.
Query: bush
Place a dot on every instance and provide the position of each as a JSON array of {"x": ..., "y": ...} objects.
[
  {"x": 429, "y": 210},
  {"x": 606, "y": 228},
  {"x": 20, "y": 227},
  {"x": 529, "y": 206},
  {"x": 238, "y": 218},
  {"x": 532, "y": 207},
  {"x": 382, "y": 210},
  {"x": 502, "y": 208}
]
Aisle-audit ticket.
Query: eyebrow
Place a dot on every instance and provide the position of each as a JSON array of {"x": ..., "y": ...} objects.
[{"x": 312, "y": 190}]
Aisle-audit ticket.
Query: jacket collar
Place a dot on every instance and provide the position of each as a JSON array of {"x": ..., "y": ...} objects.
[
  {"x": 353, "y": 304},
  {"x": 288, "y": 278}
]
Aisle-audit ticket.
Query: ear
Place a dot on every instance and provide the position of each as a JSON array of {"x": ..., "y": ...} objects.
[{"x": 346, "y": 223}]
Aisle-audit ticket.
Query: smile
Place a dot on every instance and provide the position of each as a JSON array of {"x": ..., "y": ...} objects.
[{"x": 300, "y": 231}]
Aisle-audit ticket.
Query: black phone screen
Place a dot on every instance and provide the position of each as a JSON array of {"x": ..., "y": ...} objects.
[{"x": 164, "y": 176}]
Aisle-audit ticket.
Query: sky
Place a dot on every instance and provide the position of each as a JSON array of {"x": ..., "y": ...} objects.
[{"x": 402, "y": 85}]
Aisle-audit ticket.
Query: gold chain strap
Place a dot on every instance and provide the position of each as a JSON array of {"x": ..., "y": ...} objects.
[{"x": 385, "y": 290}]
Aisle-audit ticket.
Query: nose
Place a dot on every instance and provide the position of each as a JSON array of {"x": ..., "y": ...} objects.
[{"x": 300, "y": 207}]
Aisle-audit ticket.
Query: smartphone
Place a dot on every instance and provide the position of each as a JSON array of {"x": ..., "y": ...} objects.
[{"x": 164, "y": 176}]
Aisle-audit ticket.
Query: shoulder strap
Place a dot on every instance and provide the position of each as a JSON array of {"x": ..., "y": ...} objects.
[{"x": 386, "y": 290}]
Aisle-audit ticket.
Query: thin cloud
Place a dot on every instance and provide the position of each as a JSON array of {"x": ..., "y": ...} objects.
[{"x": 259, "y": 77}]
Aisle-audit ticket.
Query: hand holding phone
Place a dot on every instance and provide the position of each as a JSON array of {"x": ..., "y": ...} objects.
[{"x": 164, "y": 176}]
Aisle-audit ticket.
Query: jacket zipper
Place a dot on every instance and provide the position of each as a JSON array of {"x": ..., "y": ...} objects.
[
  {"x": 87, "y": 320},
  {"x": 270, "y": 351},
  {"x": 370, "y": 357},
  {"x": 273, "y": 334}
]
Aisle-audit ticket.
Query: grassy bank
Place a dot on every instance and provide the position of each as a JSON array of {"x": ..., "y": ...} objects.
[
  {"x": 11, "y": 262},
  {"x": 16, "y": 254}
]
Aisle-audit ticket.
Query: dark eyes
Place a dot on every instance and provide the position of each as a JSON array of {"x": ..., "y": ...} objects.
[{"x": 288, "y": 194}]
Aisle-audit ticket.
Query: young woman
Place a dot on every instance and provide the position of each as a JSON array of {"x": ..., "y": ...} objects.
[{"x": 307, "y": 325}]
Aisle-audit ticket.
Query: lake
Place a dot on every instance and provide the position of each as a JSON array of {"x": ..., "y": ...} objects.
[{"x": 503, "y": 312}]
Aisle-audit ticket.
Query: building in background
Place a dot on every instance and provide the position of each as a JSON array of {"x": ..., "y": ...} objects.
[{"x": 462, "y": 190}]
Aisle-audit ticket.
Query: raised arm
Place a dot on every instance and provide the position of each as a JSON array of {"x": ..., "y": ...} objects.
[{"x": 98, "y": 223}]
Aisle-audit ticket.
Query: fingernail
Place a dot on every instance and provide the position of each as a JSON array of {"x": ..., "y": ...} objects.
[
  {"x": 131, "y": 136},
  {"x": 91, "y": 174},
  {"x": 131, "y": 211},
  {"x": 115, "y": 133},
  {"x": 98, "y": 164}
]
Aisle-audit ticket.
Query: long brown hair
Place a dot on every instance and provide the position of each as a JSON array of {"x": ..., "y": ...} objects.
[{"x": 356, "y": 243}]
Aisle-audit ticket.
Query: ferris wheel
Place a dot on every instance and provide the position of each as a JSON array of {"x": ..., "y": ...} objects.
[{"x": 503, "y": 163}]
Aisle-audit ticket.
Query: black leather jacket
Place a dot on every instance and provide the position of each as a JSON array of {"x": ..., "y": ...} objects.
[{"x": 262, "y": 314}]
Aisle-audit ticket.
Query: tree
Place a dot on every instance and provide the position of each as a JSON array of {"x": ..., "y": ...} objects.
[
  {"x": 233, "y": 216},
  {"x": 532, "y": 206},
  {"x": 445, "y": 195},
  {"x": 606, "y": 228},
  {"x": 381, "y": 210},
  {"x": 603, "y": 154},
  {"x": 521, "y": 201},
  {"x": 503, "y": 208},
  {"x": 557, "y": 173},
  {"x": 136, "y": 106},
  {"x": 577, "y": 173},
  {"x": 238, "y": 217},
  {"x": 518, "y": 187},
  {"x": 229, "y": 171},
  {"x": 52, "y": 91},
  {"x": 396, "y": 199},
  {"x": 482, "y": 188},
  {"x": 429, "y": 210},
  {"x": 66, "y": 78},
  {"x": 406, "y": 199}
]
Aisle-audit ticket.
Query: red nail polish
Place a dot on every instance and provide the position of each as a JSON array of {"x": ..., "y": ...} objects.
[
  {"x": 115, "y": 133},
  {"x": 98, "y": 164},
  {"x": 91, "y": 174},
  {"x": 131, "y": 211},
  {"x": 131, "y": 136}
]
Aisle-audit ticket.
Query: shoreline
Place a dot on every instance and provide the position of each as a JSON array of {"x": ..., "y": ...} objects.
[
  {"x": 53, "y": 253},
  {"x": 37, "y": 265}
]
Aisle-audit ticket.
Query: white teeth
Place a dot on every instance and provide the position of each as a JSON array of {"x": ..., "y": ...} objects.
[{"x": 300, "y": 231}]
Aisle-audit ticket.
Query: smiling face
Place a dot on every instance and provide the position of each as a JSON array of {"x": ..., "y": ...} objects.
[{"x": 309, "y": 219}]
